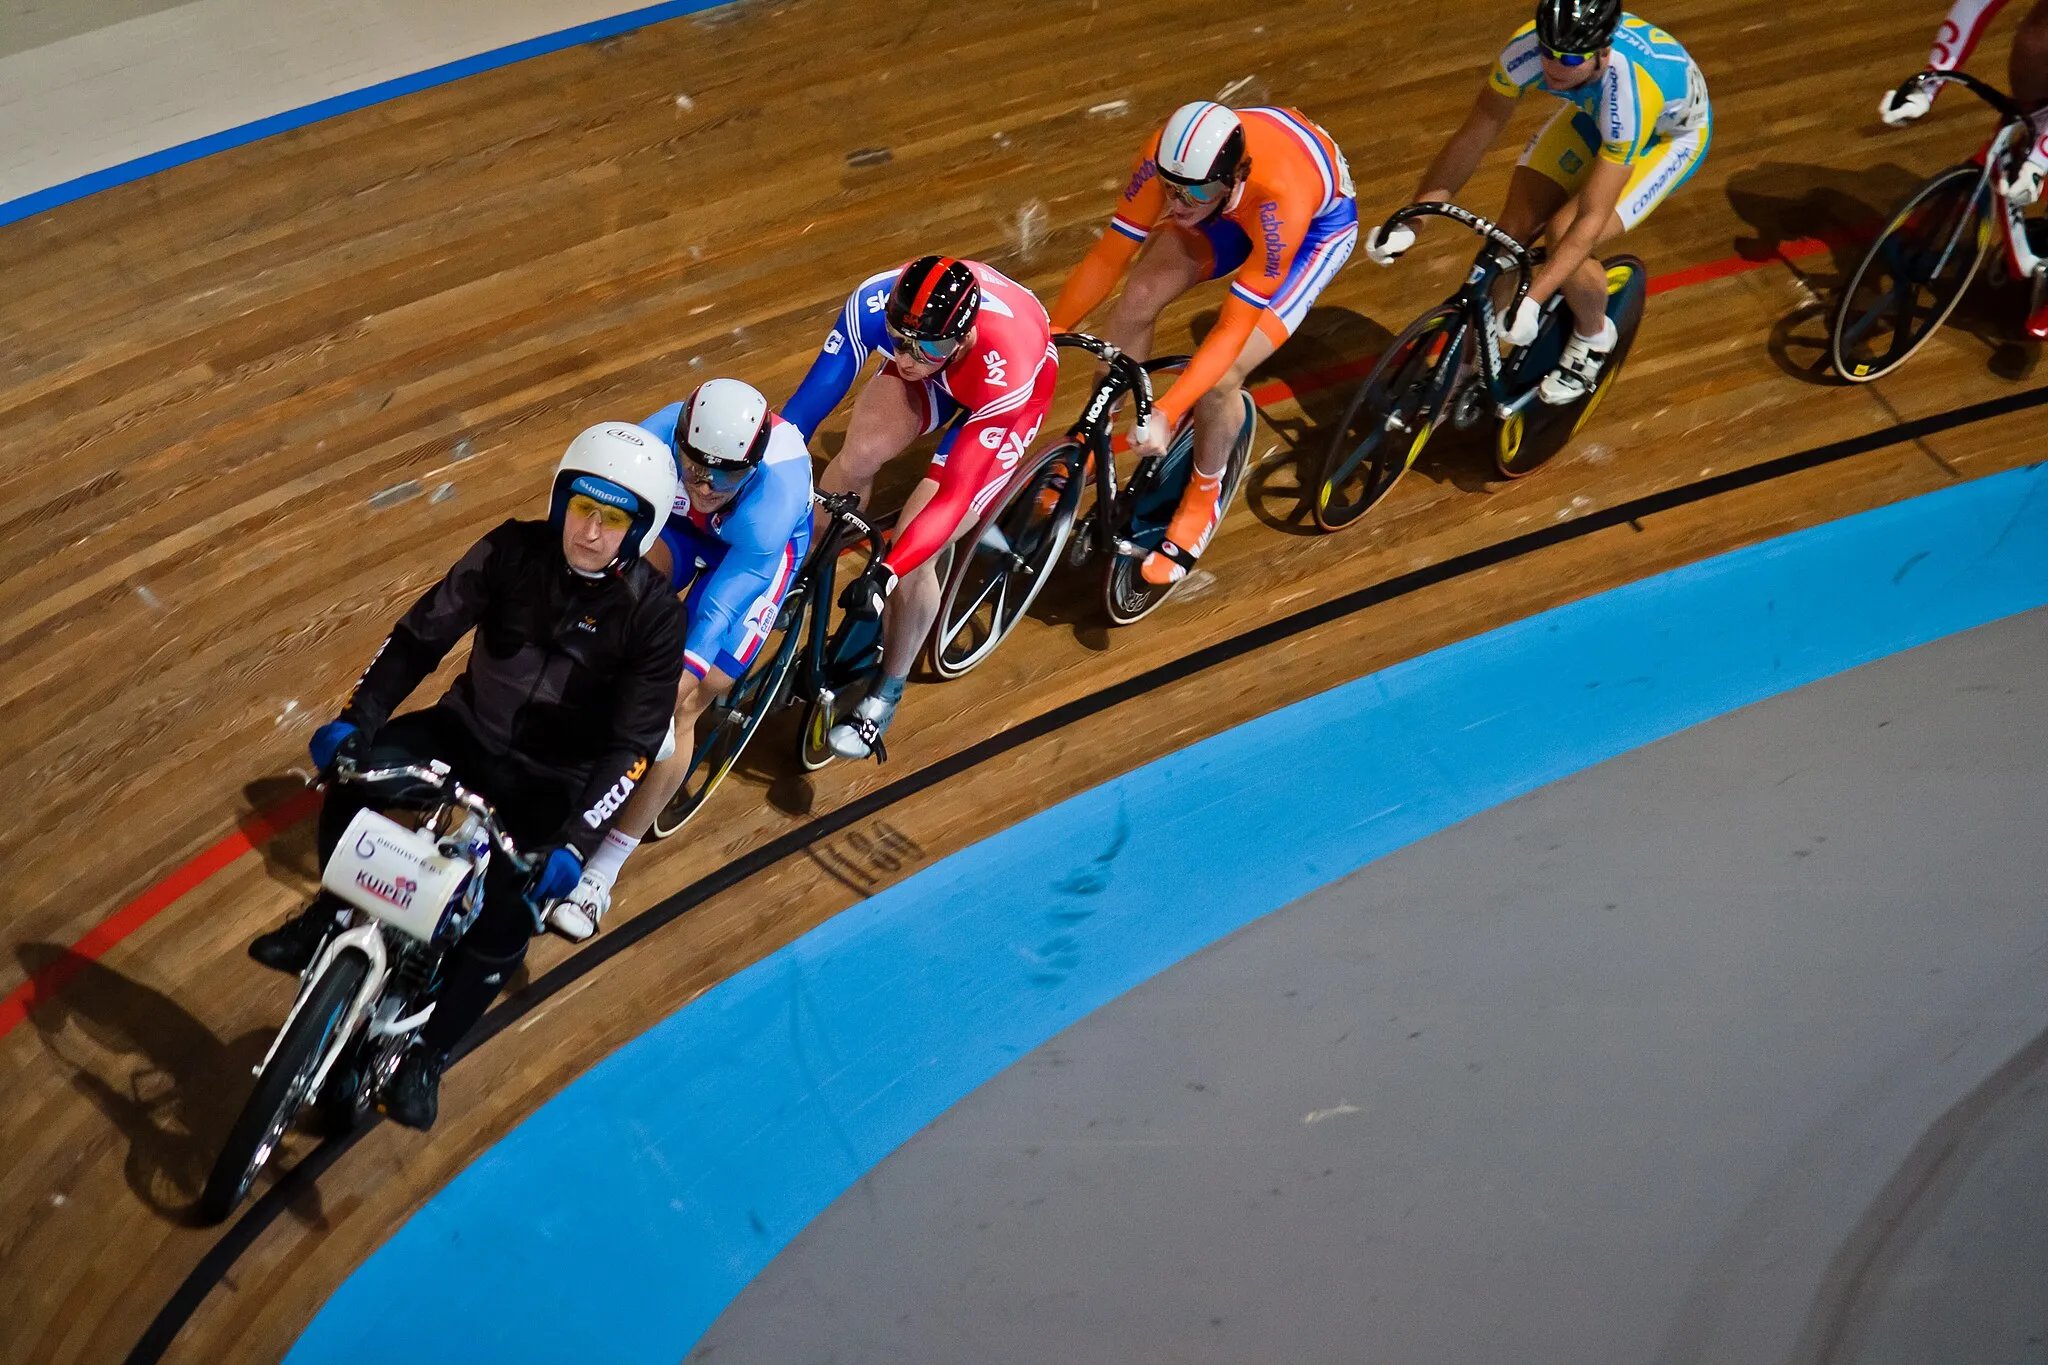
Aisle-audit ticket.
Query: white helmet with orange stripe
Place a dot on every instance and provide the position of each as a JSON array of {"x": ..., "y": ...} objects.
[{"x": 1202, "y": 144}]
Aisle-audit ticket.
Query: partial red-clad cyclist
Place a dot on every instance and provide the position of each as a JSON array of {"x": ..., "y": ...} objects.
[
  {"x": 2027, "y": 76},
  {"x": 1259, "y": 194},
  {"x": 963, "y": 347}
]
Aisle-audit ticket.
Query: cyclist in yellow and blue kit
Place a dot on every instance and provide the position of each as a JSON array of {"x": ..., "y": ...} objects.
[{"x": 1635, "y": 126}]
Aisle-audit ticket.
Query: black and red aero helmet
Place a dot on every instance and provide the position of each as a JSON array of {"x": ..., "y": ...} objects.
[{"x": 935, "y": 299}]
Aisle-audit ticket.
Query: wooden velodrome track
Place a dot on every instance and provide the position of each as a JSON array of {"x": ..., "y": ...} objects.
[{"x": 250, "y": 407}]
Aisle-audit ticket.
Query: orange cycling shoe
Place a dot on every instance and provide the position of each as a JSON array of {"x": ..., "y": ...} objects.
[
  {"x": 1187, "y": 535},
  {"x": 1056, "y": 483}
]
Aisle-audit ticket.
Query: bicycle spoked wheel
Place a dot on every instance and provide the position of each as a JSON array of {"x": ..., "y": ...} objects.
[
  {"x": 1007, "y": 564},
  {"x": 1126, "y": 596},
  {"x": 727, "y": 727},
  {"x": 1913, "y": 276},
  {"x": 1387, "y": 423},
  {"x": 1528, "y": 439}
]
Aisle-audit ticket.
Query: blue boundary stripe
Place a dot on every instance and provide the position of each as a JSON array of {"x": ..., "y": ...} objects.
[
  {"x": 619, "y": 1220},
  {"x": 28, "y": 205}
]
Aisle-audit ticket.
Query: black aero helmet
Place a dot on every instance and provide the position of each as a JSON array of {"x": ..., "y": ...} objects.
[
  {"x": 1577, "y": 25},
  {"x": 935, "y": 299}
]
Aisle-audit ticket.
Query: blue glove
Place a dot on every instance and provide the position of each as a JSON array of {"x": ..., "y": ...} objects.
[
  {"x": 557, "y": 876},
  {"x": 330, "y": 739}
]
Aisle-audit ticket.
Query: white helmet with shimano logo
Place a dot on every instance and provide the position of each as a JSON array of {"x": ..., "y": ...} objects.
[{"x": 625, "y": 466}]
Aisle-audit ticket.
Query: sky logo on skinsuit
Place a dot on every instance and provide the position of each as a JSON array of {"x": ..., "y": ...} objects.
[{"x": 1269, "y": 228}]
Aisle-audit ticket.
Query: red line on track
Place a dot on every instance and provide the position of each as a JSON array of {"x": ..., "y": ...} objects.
[{"x": 260, "y": 828}]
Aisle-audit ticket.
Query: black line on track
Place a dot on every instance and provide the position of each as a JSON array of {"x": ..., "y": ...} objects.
[{"x": 221, "y": 1257}]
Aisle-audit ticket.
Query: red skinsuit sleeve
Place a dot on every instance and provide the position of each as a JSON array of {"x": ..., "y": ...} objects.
[
  {"x": 1957, "y": 39},
  {"x": 1136, "y": 214},
  {"x": 1276, "y": 224}
]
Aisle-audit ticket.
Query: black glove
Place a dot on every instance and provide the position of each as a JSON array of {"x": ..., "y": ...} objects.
[{"x": 864, "y": 595}]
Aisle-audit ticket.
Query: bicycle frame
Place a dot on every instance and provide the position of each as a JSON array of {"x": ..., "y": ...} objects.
[
  {"x": 1474, "y": 303},
  {"x": 822, "y": 572},
  {"x": 1092, "y": 428},
  {"x": 2019, "y": 255}
]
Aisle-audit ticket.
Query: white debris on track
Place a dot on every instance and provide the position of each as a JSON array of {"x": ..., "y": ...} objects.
[
  {"x": 1343, "y": 1107},
  {"x": 1109, "y": 109},
  {"x": 1029, "y": 228}
]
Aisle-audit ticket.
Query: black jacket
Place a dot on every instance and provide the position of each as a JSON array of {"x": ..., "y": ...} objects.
[{"x": 572, "y": 677}]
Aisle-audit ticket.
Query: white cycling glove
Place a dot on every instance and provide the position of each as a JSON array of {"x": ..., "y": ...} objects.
[
  {"x": 1386, "y": 250},
  {"x": 1528, "y": 320},
  {"x": 2025, "y": 185},
  {"x": 1897, "y": 111}
]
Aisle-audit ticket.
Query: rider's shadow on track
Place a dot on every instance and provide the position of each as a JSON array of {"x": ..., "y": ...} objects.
[
  {"x": 159, "y": 1075},
  {"x": 1317, "y": 364},
  {"x": 1789, "y": 206}
]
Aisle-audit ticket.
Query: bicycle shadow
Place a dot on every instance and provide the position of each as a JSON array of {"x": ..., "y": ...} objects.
[
  {"x": 160, "y": 1076},
  {"x": 290, "y": 855},
  {"x": 1819, "y": 221},
  {"x": 1321, "y": 364}
]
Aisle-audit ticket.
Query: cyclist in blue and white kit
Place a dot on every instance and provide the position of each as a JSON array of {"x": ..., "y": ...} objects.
[
  {"x": 734, "y": 543},
  {"x": 1635, "y": 126}
]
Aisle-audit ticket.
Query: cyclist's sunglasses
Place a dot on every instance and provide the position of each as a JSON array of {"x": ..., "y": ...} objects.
[
  {"x": 610, "y": 517},
  {"x": 922, "y": 351},
  {"x": 1196, "y": 196},
  {"x": 1551, "y": 54},
  {"x": 722, "y": 478}
]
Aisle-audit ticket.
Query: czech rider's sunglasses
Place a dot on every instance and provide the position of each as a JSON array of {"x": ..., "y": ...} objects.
[
  {"x": 922, "y": 351},
  {"x": 720, "y": 478},
  {"x": 610, "y": 517},
  {"x": 1551, "y": 54}
]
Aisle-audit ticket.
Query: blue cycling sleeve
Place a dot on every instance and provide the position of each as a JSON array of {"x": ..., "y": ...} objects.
[
  {"x": 859, "y": 332},
  {"x": 736, "y": 584}
]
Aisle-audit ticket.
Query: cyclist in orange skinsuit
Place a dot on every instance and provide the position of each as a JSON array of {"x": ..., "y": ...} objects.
[{"x": 1260, "y": 193}]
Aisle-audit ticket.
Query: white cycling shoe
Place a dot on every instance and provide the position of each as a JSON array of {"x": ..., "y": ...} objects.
[
  {"x": 1578, "y": 369},
  {"x": 860, "y": 734},
  {"x": 577, "y": 915}
]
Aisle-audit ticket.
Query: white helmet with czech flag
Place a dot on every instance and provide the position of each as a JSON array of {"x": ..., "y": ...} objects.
[
  {"x": 618, "y": 464},
  {"x": 1202, "y": 144},
  {"x": 723, "y": 430}
]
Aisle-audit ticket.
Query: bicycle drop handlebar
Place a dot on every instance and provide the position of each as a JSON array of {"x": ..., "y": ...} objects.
[
  {"x": 1125, "y": 376},
  {"x": 1518, "y": 255},
  {"x": 2005, "y": 104}
]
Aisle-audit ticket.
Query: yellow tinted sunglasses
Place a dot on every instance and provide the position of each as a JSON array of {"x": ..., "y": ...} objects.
[{"x": 612, "y": 518}]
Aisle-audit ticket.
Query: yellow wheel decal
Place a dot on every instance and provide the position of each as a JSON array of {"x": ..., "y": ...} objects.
[
  {"x": 1617, "y": 278},
  {"x": 1415, "y": 447},
  {"x": 1511, "y": 439}
]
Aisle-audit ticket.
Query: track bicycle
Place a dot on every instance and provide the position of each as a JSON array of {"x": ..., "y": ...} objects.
[
  {"x": 1447, "y": 367},
  {"x": 1009, "y": 557},
  {"x": 802, "y": 659},
  {"x": 412, "y": 892},
  {"x": 1922, "y": 263}
]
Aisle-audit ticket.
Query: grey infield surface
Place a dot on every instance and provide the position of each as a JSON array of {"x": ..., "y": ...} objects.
[{"x": 1732, "y": 1049}]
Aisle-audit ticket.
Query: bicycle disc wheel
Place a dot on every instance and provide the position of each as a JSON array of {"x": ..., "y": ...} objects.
[
  {"x": 1387, "y": 423},
  {"x": 1126, "y": 596},
  {"x": 1527, "y": 440},
  {"x": 1913, "y": 276},
  {"x": 1007, "y": 564},
  {"x": 732, "y": 722},
  {"x": 282, "y": 1087}
]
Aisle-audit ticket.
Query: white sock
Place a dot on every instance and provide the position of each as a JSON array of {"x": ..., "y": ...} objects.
[
  {"x": 1607, "y": 339},
  {"x": 611, "y": 855}
]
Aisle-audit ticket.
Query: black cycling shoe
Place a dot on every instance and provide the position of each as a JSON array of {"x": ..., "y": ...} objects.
[
  {"x": 414, "y": 1096},
  {"x": 290, "y": 947}
]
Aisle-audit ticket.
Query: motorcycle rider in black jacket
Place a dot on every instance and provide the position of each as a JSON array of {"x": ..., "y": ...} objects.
[{"x": 566, "y": 700}]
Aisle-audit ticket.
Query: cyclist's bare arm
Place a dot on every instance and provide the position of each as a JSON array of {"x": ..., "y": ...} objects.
[
  {"x": 1460, "y": 157},
  {"x": 1595, "y": 217}
]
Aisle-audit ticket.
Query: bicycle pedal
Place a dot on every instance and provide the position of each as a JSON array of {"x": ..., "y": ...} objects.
[{"x": 879, "y": 751}]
